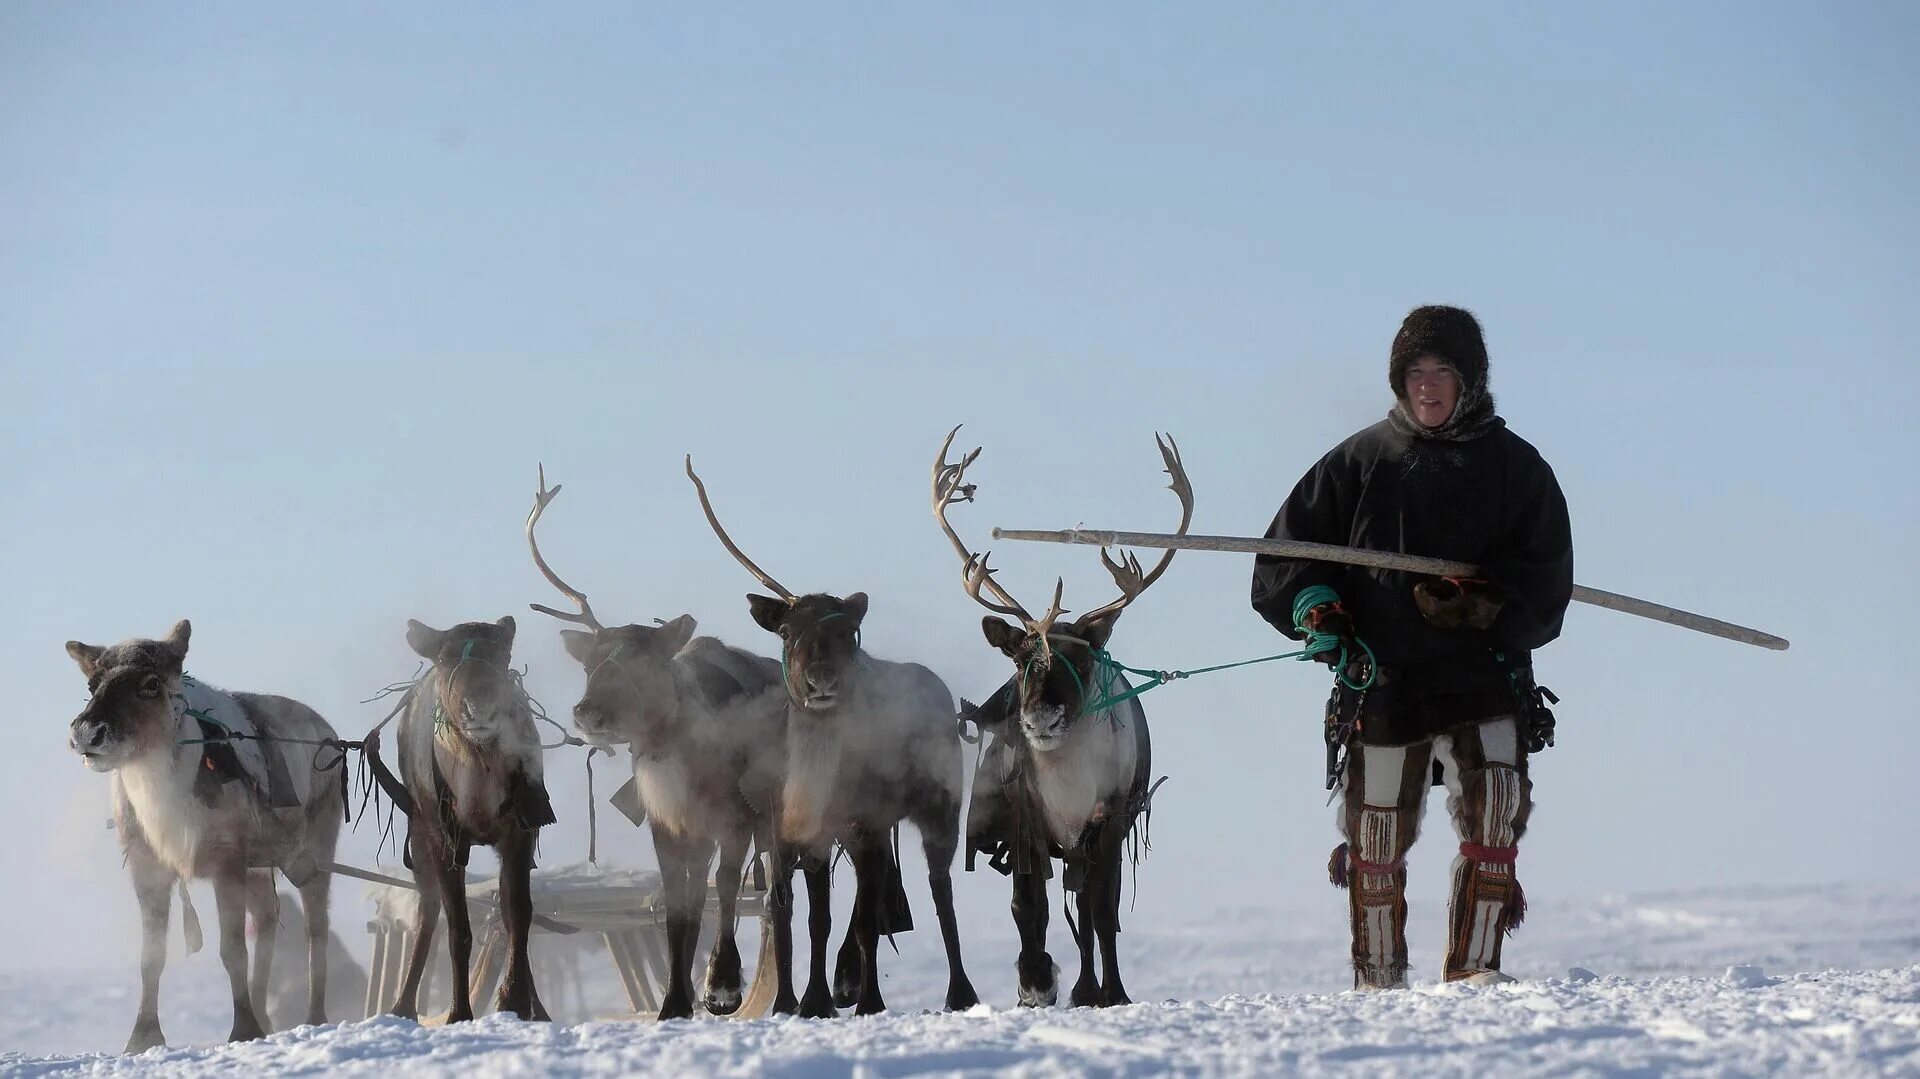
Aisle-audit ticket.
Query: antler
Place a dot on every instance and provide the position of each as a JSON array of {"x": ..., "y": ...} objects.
[
  {"x": 585, "y": 617},
  {"x": 772, "y": 584},
  {"x": 948, "y": 490},
  {"x": 1126, "y": 572}
]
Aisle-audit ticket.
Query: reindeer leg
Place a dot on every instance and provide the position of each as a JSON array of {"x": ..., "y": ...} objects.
[
  {"x": 778, "y": 920},
  {"x": 693, "y": 902},
  {"x": 314, "y": 896},
  {"x": 427, "y": 853},
  {"x": 263, "y": 903},
  {"x": 939, "y": 827},
  {"x": 872, "y": 860},
  {"x": 674, "y": 854},
  {"x": 453, "y": 898},
  {"x": 846, "y": 963},
  {"x": 230, "y": 896},
  {"x": 777, "y": 914},
  {"x": 153, "y": 887},
  {"x": 1039, "y": 976},
  {"x": 517, "y": 992},
  {"x": 1108, "y": 858},
  {"x": 723, "y": 992},
  {"x": 817, "y": 1002},
  {"x": 322, "y": 837},
  {"x": 1086, "y": 989}
]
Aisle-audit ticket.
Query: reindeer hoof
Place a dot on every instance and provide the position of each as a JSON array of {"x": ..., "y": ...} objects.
[
  {"x": 1086, "y": 993},
  {"x": 460, "y": 1013},
  {"x": 145, "y": 1036},
  {"x": 721, "y": 1000},
  {"x": 960, "y": 996},
  {"x": 1114, "y": 995},
  {"x": 817, "y": 1004},
  {"x": 871, "y": 1004},
  {"x": 245, "y": 1030},
  {"x": 784, "y": 1005},
  {"x": 846, "y": 985},
  {"x": 723, "y": 994},
  {"x": 676, "y": 1007},
  {"x": 527, "y": 1008},
  {"x": 1044, "y": 995}
]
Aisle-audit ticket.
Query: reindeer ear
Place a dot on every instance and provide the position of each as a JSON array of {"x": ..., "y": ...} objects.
[
  {"x": 769, "y": 613},
  {"x": 424, "y": 640},
  {"x": 177, "y": 638},
  {"x": 1004, "y": 635},
  {"x": 673, "y": 636},
  {"x": 86, "y": 655},
  {"x": 1097, "y": 631},
  {"x": 855, "y": 606},
  {"x": 579, "y": 645},
  {"x": 507, "y": 627}
]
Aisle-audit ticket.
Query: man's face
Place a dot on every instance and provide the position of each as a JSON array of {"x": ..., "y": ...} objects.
[{"x": 1433, "y": 389}]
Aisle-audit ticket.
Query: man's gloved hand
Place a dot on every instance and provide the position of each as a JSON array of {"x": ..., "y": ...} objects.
[
  {"x": 1331, "y": 619},
  {"x": 1458, "y": 602}
]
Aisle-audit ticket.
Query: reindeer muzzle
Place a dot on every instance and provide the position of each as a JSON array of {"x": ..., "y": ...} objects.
[{"x": 90, "y": 738}]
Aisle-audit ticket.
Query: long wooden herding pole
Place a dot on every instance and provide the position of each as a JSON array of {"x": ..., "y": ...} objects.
[{"x": 1354, "y": 556}]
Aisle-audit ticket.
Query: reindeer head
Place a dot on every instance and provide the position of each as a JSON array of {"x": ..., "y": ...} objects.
[
  {"x": 819, "y": 642},
  {"x": 631, "y": 696},
  {"x": 819, "y": 634},
  {"x": 470, "y": 680},
  {"x": 1057, "y": 671},
  {"x": 132, "y": 686}
]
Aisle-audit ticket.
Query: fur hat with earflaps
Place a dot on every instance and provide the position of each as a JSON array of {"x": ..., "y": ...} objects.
[{"x": 1452, "y": 335}]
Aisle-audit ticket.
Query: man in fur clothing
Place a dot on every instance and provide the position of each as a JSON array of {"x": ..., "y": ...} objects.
[{"x": 1441, "y": 476}]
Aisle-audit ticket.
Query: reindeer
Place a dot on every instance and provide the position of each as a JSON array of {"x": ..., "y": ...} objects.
[
  {"x": 869, "y": 743},
  {"x": 470, "y": 760},
  {"x": 705, "y": 724},
  {"x": 1067, "y": 774},
  {"x": 190, "y": 802}
]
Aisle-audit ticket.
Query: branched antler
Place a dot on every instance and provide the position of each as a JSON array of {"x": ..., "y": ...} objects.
[
  {"x": 949, "y": 489},
  {"x": 1126, "y": 571},
  {"x": 775, "y": 586},
  {"x": 585, "y": 618}
]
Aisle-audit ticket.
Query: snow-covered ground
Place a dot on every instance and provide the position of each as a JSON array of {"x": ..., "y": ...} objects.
[{"x": 1250, "y": 991}]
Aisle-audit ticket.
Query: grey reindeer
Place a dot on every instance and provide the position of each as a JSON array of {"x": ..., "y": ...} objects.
[
  {"x": 1066, "y": 774},
  {"x": 869, "y": 743},
  {"x": 190, "y": 803},
  {"x": 470, "y": 758},
  {"x": 705, "y": 725}
]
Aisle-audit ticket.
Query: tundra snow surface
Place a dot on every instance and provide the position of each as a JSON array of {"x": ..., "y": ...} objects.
[{"x": 1793, "y": 981}]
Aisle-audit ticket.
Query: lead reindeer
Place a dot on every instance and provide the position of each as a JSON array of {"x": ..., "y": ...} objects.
[
  {"x": 869, "y": 743},
  {"x": 706, "y": 725},
  {"x": 471, "y": 761},
  {"x": 1067, "y": 775},
  {"x": 189, "y": 802}
]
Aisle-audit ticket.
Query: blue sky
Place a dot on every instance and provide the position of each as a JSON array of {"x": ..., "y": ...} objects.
[{"x": 293, "y": 302}]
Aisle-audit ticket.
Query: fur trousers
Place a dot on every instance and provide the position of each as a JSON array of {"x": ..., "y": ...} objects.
[{"x": 1384, "y": 793}]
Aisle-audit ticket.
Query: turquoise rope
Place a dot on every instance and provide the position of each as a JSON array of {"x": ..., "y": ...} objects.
[
  {"x": 439, "y": 714},
  {"x": 618, "y": 647},
  {"x": 1320, "y": 595},
  {"x": 202, "y": 716},
  {"x": 1105, "y": 662},
  {"x": 1317, "y": 644}
]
